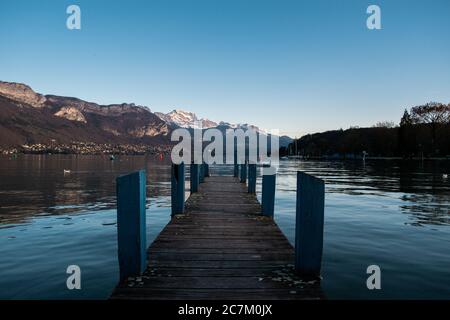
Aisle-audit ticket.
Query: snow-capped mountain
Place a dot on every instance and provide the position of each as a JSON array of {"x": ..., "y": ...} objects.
[
  {"x": 243, "y": 126},
  {"x": 185, "y": 119},
  {"x": 284, "y": 140}
]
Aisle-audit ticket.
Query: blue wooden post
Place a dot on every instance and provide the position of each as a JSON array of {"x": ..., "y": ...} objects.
[
  {"x": 131, "y": 228},
  {"x": 236, "y": 166},
  {"x": 206, "y": 170},
  {"x": 194, "y": 177},
  {"x": 252, "y": 178},
  {"x": 202, "y": 173},
  {"x": 309, "y": 224},
  {"x": 244, "y": 172},
  {"x": 177, "y": 195},
  {"x": 268, "y": 194}
]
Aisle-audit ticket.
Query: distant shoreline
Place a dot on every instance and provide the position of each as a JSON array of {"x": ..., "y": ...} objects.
[
  {"x": 156, "y": 152},
  {"x": 367, "y": 158},
  {"x": 86, "y": 148}
]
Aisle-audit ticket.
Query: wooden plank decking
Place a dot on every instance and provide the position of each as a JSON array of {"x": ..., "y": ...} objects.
[{"x": 221, "y": 248}]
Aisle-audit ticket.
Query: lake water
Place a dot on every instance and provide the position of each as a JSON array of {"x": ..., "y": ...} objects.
[{"x": 390, "y": 213}]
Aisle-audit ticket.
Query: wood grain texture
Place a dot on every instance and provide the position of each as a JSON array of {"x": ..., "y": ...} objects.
[
  {"x": 131, "y": 234},
  {"x": 221, "y": 248}
]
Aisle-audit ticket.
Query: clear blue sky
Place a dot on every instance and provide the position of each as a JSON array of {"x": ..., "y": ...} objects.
[{"x": 300, "y": 66}]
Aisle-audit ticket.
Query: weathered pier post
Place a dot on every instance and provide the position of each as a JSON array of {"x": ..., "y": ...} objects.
[
  {"x": 236, "y": 166},
  {"x": 202, "y": 173},
  {"x": 131, "y": 228},
  {"x": 194, "y": 177},
  {"x": 309, "y": 224},
  {"x": 206, "y": 169},
  {"x": 252, "y": 178},
  {"x": 268, "y": 194},
  {"x": 178, "y": 188},
  {"x": 243, "y": 177}
]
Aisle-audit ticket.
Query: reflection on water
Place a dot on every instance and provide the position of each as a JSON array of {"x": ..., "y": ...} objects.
[
  {"x": 421, "y": 185},
  {"x": 37, "y": 185},
  {"x": 391, "y": 213}
]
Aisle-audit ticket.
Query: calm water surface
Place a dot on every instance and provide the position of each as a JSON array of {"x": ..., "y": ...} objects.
[{"x": 390, "y": 213}]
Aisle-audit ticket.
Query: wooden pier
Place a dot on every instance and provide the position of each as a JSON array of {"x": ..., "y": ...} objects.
[{"x": 221, "y": 247}]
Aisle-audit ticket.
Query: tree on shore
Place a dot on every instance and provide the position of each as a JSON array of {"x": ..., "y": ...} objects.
[
  {"x": 406, "y": 136},
  {"x": 385, "y": 124},
  {"x": 435, "y": 114},
  {"x": 423, "y": 131}
]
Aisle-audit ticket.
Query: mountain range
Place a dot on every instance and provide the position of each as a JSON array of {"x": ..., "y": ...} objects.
[
  {"x": 27, "y": 117},
  {"x": 185, "y": 119}
]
